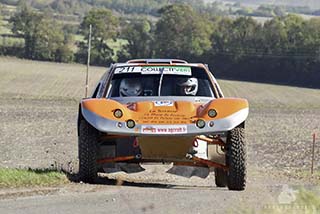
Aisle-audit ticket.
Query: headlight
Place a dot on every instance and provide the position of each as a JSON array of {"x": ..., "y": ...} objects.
[
  {"x": 201, "y": 123},
  {"x": 118, "y": 113},
  {"x": 212, "y": 113},
  {"x": 131, "y": 124}
]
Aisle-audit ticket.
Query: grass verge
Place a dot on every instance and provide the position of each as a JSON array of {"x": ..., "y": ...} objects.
[
  {"x": 306, "y": 202},
  {"x": 10, "y": 178},
  {"x": 292, "y": 202}
]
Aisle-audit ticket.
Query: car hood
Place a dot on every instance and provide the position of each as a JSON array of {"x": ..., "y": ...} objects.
[{"x": 164, "y": 111}]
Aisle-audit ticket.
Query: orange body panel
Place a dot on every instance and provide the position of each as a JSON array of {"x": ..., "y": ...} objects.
[
  {"x": 181, "y": 112},
  {"x": 224, "y": 107}
]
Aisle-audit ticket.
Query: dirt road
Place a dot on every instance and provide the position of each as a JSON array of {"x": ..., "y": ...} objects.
[
  {"x": 143, "y": 198},
  {"x": 151, "y": 192}
]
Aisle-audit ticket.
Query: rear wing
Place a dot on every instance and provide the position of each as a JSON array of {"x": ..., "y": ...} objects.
[{"x": 157, "y": 61}]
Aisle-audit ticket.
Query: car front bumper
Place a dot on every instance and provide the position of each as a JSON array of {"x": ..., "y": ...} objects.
[{"x": 120, "y": 128}]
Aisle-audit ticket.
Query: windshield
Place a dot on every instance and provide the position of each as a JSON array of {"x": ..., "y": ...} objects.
[{"x": 160, "y": 81}]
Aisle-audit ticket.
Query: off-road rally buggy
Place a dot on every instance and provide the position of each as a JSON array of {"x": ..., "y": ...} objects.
[{"x": 162, "y": 111}]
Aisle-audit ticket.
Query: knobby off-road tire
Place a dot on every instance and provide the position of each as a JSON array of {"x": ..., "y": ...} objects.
[
  {"x": 236, "y": 159},
  {"x": 88, "y": 149},
  {"x": 220, "y": 177}
]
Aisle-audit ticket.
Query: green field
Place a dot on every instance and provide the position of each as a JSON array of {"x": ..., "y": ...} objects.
[
  {"x": 272, "y": 96},
  {"x": 31, "y": 79},
  {"x": 24, "y": 78},
  {"x": 4, "y": 27},
  {"x": 5, "y": 40}
]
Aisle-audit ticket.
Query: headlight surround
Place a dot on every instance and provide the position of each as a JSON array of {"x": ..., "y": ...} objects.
[
  {"x": 131, "y": 124},
  {"x": 212, "y": 113},
  {"x": 200, "y": 123},
  {"x": 117, "y": 113}
]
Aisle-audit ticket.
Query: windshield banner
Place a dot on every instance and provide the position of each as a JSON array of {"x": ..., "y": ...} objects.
[{"x": 176, "y": 70}]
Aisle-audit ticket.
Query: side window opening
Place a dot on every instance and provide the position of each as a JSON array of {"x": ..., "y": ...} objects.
[{"x": 94, "y": 95}]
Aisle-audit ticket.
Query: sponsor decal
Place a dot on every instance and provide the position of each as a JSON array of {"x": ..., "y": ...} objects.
[
  {"x": 178, "y": 70},
  {"x": 127, "y": 69},
  {"x": 163, "y": 129},
  {"x": 163, "y": 103}
]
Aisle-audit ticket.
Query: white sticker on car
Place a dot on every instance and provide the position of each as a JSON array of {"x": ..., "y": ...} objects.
[
  {"x": 127, "y": 69},
  {"x": 163, "y": 129},
  {"x": 163, "y": 103},
  {"x": 177, "y": 70}
]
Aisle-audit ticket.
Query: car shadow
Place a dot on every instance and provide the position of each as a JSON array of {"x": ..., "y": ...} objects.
[{"x": 103, "y": 180}]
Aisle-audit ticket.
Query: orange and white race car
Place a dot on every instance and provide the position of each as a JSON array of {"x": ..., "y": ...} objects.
[{"x": 163, "y": 111}]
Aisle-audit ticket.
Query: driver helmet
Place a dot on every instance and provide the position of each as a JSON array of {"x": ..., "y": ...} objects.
[
  {"x": 130, "y": 88},
  {"x": 188, "y": 86}
]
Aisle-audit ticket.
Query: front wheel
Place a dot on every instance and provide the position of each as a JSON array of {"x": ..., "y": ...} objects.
[
  {"x": 87, "y": 148},
  {"x": 236, "y": 159}
]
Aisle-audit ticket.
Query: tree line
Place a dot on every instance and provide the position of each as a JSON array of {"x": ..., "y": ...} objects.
[
  {"x": 285, "y": 49},
  {"x": 79, "y": 7}
]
